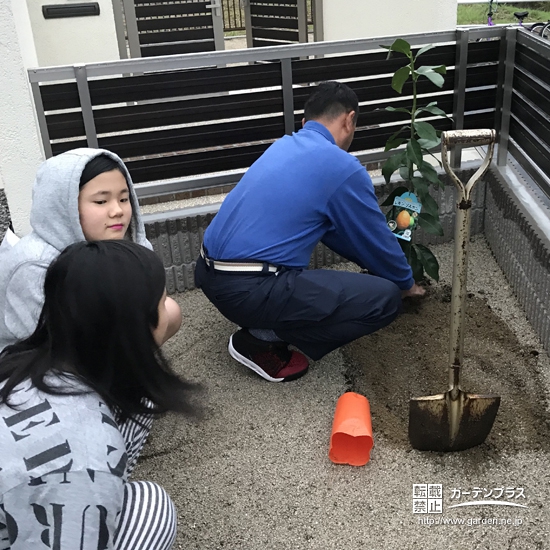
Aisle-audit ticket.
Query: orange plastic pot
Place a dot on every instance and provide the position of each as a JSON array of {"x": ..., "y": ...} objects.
[{"x": 351, "y": 438}]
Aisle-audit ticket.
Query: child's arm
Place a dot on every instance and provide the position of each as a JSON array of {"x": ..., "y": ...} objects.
[{"x": 24, "y": 299}]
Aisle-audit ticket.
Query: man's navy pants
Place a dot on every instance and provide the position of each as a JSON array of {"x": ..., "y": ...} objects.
[{"x": 315, "y": 310}]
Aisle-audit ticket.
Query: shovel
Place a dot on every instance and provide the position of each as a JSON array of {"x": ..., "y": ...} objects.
[{"x": 456, "y": 420}]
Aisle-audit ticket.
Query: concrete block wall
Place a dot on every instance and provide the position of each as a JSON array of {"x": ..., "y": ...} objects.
[
  {"x": 522, "y": 250},
  {"x": 178, "y": 241}
]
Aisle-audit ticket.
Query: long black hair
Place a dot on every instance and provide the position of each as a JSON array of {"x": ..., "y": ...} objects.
[{"x": 101, "y": 304}]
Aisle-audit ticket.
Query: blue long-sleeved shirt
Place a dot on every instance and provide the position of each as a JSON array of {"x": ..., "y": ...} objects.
[{"x": 302, "y": 190}]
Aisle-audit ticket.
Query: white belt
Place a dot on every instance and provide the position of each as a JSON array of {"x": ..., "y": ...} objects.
[{"x": 237, "y": 267}]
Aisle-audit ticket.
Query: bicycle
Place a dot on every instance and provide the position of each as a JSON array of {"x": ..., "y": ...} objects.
[
  {"x": 537, "y": 27},
  {"x": 545, "y": 32}
]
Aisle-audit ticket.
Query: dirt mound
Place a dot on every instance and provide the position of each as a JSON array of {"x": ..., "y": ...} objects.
[{"x": 409, "y": 358}]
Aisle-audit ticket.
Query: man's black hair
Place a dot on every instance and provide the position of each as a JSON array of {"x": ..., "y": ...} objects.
[{"x": 330, "y": 100}]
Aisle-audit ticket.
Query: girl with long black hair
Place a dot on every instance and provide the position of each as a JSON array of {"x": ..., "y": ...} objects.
[{"x": 92, "y": 364}]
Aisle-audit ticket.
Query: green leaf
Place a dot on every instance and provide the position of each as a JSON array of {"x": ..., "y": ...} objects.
[
  {"x": 429, "y": 205},
  {"x": 420, "y": 187},
  {"x": 416, "y": 265},
  {"x": 434, "y": 77},
  {"x": 398, "y": 110},
  {"x": 392, "y": 164},
  {"x": 395, "y": 141},
  {"x": 431, "y": 108},
  {"x": 428, "y": 260},
  {"x": 440, "y": 69},
  {"x": 400, "y": 77},
  {"x": 398, "y": 191},
  {"x": 414, "y": 152},
  {"x": 425, "y": 131},
  {"x": 427, "y": 145},
  {"x": 429, "y": 173},
  {"x": 401, "y": 46},
  {"x": 404, "y": 173},
  {"x": 424, "y": 49},
  {"x": 430, "y": 224}
]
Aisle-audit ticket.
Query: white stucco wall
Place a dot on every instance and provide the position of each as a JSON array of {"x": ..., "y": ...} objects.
[
  {"x": 24, "y": 32},
  {"x": 73, "y": 39},
  {"x": 20, "y": 149},
  {"x": 346, "y": 19}
]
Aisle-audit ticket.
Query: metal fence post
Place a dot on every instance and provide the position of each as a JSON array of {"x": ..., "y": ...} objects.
[
  {"x": 86, "y": 105},
  {"x": 217, "y": 24},
  {"x": 302, "y": 21},
  {"x": 288, "y": 94},
  {"x": 120, "y": 29},
  {"x": 317, "y": 15},
  {"x": 132, "y": 28},
  {"x": 248, "y": 23},
  {"x": 41, "y": 116},
  {"x": 461, "y": 68},
  {"x": 507, "y": 86}
]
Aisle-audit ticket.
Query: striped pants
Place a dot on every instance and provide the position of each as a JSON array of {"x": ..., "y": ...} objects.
[{"x": 148, "y": 518}]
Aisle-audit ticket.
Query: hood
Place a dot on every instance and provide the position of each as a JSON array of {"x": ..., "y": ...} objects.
[{"x": 54, "y": 212}]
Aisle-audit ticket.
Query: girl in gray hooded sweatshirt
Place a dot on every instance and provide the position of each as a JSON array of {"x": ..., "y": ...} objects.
[{"x": 70, "y": 203}]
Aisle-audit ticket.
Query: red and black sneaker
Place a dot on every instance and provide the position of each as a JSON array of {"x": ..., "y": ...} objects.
[{"x": 271, "y": 360}]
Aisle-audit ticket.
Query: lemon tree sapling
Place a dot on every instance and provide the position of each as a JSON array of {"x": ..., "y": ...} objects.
[{"x": 413, "y": 142}]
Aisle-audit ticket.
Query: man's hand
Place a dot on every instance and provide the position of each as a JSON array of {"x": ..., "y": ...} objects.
[{"x": 416, "y": 291}]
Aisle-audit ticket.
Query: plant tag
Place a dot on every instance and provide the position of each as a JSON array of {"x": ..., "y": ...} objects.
[{"x": 403, "y": 217}]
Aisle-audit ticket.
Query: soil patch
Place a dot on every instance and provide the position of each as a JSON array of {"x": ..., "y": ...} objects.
[{"x": 409, "y": 358}]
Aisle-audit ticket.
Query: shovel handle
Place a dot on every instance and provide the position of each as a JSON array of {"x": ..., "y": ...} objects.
[
  {"x": 473, "y": 138},
  {"x": 462, "y": 238}
]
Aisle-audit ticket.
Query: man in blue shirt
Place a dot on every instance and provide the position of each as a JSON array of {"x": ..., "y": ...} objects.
[{"x": 304, "y": 189}]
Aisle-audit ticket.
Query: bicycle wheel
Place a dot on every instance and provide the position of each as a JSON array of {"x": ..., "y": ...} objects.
[
  {"x": 545, "y": 33},
  {"x": 537, "y": 28}
]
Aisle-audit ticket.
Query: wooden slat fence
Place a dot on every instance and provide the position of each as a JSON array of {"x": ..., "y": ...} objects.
[{"x": 209, "y": 120}]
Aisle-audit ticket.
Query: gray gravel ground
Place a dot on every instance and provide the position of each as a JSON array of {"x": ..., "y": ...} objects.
[{"x": 255, "y": 473}]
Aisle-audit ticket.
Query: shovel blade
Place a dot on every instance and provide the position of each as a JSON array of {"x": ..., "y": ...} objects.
[{"x": 451, "y": 421}]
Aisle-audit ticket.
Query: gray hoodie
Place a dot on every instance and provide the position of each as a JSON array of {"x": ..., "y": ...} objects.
[{"x": 55, "y": 225}]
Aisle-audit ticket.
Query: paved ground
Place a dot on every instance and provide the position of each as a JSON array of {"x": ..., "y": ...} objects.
[{"x": 254, "y": 473}]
